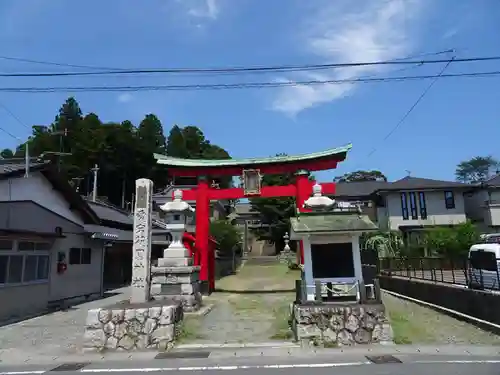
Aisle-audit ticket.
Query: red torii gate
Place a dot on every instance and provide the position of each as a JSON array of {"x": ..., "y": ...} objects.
[{"x": 250, "y": 170}]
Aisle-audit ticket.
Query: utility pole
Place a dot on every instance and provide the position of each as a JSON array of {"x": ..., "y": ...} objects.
[
  {"x": 94, "y": 190},
  {"x": 60, "y": 133},
  {"x": 123, "y": 192},
  {"x": 26, "y": 160}
]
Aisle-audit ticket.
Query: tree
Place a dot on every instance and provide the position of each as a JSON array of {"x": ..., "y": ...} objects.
[
  {"x": 477, "y": 169},
  {"x": 357, "y": 176},
  {"x": 6, "y": 154},
  {"x": 122, "y": 151},
  {"x": 190, "y": 143},
  {"x": 227, "y": 236}
]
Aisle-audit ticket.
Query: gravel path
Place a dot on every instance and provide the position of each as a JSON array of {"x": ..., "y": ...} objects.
[
  {"x": 53, "y": 334},
  {"x": 251, "y": 306},
  {"x": 416, "y": 324}
]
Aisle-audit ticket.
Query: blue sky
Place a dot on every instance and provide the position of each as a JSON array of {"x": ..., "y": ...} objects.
[{"x": 458, "y": 119}]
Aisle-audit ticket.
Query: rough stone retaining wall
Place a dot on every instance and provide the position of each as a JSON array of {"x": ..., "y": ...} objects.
[
  {"x": 130, "y": 328},
  {"x": 480, "y": 304},
  {"x": 340, "y": 324}
]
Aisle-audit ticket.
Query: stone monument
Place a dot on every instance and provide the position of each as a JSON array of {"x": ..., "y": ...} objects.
[
  {"x": 141, "y": 248},
  {"x": 138, "y": 323},
  {"x": 175, "y": 278}
]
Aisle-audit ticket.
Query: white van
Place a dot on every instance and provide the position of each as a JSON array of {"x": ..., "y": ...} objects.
[{"x": 484, "y": 266}]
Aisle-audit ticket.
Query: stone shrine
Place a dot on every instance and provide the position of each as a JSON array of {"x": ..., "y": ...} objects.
[
  {"x": 175, "y": 278},
  {"x": 138, "y": 323},
  {"x": 334, "y": 306}
]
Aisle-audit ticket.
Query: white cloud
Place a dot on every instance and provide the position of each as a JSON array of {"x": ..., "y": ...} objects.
[
  {"x": 345, "y": 31},
  {"x": 204, "y": 9},
  {"x": 125, "y": 97}
]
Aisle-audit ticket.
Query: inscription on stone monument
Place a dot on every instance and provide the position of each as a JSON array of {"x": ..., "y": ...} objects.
[{"x": 141, "y": 257}]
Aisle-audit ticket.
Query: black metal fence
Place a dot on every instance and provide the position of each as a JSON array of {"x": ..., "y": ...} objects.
[{"x": 481, "y": 271}]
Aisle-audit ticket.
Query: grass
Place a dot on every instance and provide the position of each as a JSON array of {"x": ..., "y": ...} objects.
[
  {"x": 415, "y": 324},
  {"x": 189, "y": 329},
  {"x": 281, "y": 326}
]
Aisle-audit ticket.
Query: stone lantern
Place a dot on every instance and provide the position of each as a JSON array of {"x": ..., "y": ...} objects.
[
  {"x": 177, "y": 214},
  {"x": 175, "y": 278}
]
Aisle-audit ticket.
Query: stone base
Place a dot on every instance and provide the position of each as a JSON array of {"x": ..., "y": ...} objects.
[
  {"x": 132, "y": 327},
  {"x": 339, "y": 324},
  {"x": 177, "y": 284}
]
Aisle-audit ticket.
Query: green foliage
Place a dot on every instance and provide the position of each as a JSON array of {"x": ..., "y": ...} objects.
[
  {"x": 122, "y": 151},
  {"x": 357, "y": 176},
  {"x": 226, "y": 234},
  {"x": 453, "y": 241},
  {"x": 387, "y": 244},
  {"x": 6, "y": 154},
  {"x": 477, "y": 169}
]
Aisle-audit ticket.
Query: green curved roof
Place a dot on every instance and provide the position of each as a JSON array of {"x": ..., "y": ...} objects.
[{"x": 186, "y": 163}]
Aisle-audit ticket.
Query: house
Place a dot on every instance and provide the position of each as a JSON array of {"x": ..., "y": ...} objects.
[
  {"x": 44, "y": 223},
  {"x": 482, "y": 204},
  {"x": 410, "y": 204},
  {"x": 118, "y": 223}
]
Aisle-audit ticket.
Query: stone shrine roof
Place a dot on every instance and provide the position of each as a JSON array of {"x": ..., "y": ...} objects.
[{"x": 331, "y": 223}]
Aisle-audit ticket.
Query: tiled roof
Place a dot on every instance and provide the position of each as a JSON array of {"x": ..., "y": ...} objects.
[
  {"x": 110, "y": 213},
  {"x": 359, "y": 189},
  {"x": 494, "y": 181},
  {"x": 409, "y": 182},
  {"x": 13, "y": 166}
]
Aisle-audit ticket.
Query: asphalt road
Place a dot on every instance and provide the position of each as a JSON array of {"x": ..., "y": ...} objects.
[
  {"x": 336, "y": 363},
  {"x": 450, "y": 368}
]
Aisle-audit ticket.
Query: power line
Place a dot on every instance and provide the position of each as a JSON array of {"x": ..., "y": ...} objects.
[
  {"x": 31, "y": 61},
  {"x": 242, "y": 85},
  {"x": 261, "y": 69},
  {"x": 94, "y": 67},
  {"x": 415, "y": 104}
]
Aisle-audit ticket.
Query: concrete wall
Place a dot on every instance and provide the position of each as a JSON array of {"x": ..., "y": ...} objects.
[
  {"x": 437, "y": 213},
  {"x": 21, "y": 300},
  {"x": 79, "y": 279},
  {"x": 479, "y": 304}
]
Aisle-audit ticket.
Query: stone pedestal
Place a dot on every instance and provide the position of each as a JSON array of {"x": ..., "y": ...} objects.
[
  {"x": 126, "y": 326},
  {"x": 176, "y": 280},
  {"x": 339, "y": 324}
]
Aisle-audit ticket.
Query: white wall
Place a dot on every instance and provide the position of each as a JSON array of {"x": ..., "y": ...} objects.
[
  {"x": 36, "y": 188},
  {"x": 79, "y": 279},
  {"x": 437, "y": 213}
]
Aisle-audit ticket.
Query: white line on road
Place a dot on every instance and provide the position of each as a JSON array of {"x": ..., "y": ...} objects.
[
  {"x": 230, "y": 368},
  {"x": 248, "y": 367}
]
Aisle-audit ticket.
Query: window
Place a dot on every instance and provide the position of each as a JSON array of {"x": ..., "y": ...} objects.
[
  {"x": 449, "y": 200},
  {"x": 404, "y": 206},
  {"x": 24, "y": 261},
  {"x": 74, "y": 255},
  {"x": 421, "y": 203},
  {"x": 80, "y": 256},
  {"x": 413, "y": 206}
]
